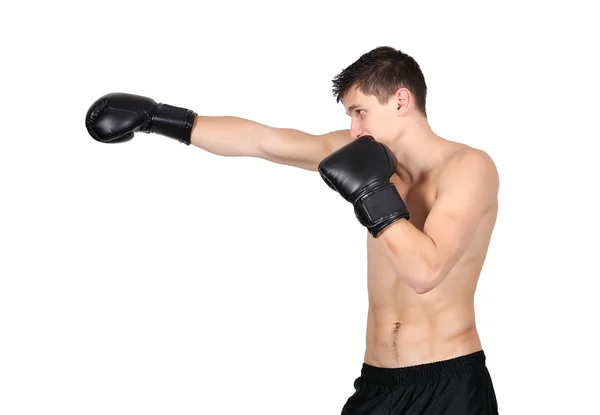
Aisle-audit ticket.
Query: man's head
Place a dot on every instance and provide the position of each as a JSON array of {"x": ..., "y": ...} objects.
[{"x": 380, "y": 91}]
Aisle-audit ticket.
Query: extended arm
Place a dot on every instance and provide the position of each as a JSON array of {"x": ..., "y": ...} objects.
[
  {"x": 116, "y": 117},
  {"x": 234, "y": 136}
]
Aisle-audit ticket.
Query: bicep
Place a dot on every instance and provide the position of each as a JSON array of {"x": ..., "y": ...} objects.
[
  {"x": 335, "y": 140},
  {"x": 300, "y": 149},
  {"x": 451, "y": 230},
  {"x": 465, "y": 195}
]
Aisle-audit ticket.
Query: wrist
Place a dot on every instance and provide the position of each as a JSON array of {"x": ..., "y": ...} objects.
[
  {"x": 173, "y": 122},
  {"x": 379, "y": 207}
]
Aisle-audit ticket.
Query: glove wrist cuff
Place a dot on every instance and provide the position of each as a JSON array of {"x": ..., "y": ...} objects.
[
  {"x": 173, "y": 122},
  {"x": 380, "y": 207}
]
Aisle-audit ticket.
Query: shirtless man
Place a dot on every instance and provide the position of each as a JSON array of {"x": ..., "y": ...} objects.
[{"x": 428, "y": 204}]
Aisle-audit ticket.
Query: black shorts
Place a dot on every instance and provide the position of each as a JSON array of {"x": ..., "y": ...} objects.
[{"x": 458, "y": 386}]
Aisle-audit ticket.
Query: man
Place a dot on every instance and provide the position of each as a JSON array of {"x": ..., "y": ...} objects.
[{"x": 429, "y": 206}]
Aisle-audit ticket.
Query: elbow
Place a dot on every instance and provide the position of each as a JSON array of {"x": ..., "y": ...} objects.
[
  {"x": 432, "y": 274},
  {"x": 426, "y": 284},
  {"x": 423, "y": 288}
]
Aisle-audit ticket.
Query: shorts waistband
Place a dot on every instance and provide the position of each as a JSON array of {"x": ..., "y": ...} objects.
[{"x": 423, "y": 372}]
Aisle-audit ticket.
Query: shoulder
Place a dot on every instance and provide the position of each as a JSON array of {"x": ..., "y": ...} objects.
[
  {"x": 467, "y": 161},
  {"x": 469, "y": 167}
]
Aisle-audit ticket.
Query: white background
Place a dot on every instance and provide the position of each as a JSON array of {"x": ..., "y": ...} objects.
[{"x": 155, "y": 278}]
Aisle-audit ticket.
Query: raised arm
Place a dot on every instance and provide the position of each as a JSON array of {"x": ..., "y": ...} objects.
[{"x": 116, "y": 117}]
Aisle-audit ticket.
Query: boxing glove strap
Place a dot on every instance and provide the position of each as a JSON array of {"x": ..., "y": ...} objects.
[
  {"x": 173, "y": 122},
  {"x": 379, "y": 207}
]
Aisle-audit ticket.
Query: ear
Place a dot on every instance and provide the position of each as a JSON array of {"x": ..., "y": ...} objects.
[{"x": 402, "y": 98}]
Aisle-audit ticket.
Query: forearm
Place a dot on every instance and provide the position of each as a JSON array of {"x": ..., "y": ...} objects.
[
  {"x": 229, "y": 136},
  {"x": 413, "y": 255}
]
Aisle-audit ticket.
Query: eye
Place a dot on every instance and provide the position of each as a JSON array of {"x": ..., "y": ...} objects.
[{"x": 360, "y": 112}]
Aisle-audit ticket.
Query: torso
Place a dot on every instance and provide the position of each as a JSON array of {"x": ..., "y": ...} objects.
[{"x": 405, "y": 328}]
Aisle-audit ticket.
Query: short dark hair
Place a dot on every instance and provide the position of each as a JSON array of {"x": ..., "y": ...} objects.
[{"x": 380, "y": 72}]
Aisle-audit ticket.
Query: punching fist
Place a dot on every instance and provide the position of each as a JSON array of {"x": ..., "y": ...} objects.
[
  {"x": 360, "y": 172},
  {"x": 116, "y": 117}
]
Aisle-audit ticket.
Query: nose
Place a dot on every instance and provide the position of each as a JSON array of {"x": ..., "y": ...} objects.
[{"x": 355, "y": 129}]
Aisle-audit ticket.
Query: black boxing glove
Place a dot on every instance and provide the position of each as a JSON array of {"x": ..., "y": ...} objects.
[
  {"x": 116, "y": 117},
  {"x": 360, "y": 172}
]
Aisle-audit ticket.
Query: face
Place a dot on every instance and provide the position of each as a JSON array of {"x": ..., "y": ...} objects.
[{"x": 370, "y": 117}]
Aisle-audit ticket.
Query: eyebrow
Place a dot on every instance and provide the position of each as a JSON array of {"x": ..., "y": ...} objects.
[{"x": 352, "y": 108}]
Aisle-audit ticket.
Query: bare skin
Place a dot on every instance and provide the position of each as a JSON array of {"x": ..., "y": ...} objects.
[
  {"x": 422, "y": 273},
  {"x": 405, "y": 328}
]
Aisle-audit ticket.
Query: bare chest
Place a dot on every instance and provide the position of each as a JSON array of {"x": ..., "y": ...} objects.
[{"x": 418, "y": 199}]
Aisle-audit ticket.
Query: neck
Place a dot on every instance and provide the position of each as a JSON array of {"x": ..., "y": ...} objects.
[{"x": 418, "y": 150}]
